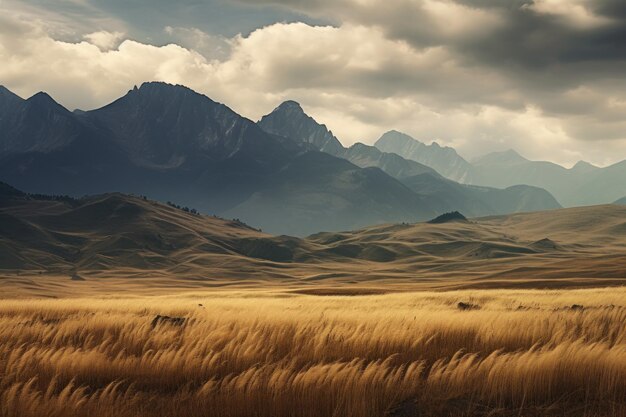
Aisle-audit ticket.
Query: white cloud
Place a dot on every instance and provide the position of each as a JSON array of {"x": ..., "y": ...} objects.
[
  {"x": 453, "y": 20},
  {"x": 104, "y": 40}
]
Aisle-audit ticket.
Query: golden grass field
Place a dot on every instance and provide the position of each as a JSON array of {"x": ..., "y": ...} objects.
[{"x": 279, "y": 353}]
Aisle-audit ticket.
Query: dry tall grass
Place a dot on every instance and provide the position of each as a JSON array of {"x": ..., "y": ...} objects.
[{"x": 523, "y": 353}]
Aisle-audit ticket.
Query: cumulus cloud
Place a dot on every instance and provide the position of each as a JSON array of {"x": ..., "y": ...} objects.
[
  {"x": 81, "y": 74},
  {"x": 359, "y": 77},
  {"x": 104, "y": 40}
]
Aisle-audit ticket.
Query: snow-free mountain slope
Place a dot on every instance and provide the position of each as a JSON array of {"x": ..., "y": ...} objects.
[
  {"x": 444, "y": 160},
  {"x": 318, "y": 192},
  {"x": 290, "y": 121},
  {"x": 38, "y": 124}
]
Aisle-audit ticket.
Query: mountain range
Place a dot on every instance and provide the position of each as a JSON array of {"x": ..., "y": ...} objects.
[
  {"x": 583, "y": 184},
  {"x": 289, "y": 120},
  {"x": 285, "y": 174}
]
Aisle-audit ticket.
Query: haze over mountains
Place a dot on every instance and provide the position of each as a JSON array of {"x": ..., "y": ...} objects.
[
  {"x": 289, "y": 120},
  {"x": 583, "y": 184},
  {"x": 444, "y": 160},
  {"x": 285, "y": 174}
]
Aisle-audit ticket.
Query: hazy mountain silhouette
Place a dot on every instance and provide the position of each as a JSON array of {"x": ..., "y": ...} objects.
[
  {"x": 290, "y": 120},
  {"x": 316, "y": 191},
  {"x": 478, "y": 201},
  {"x": 509, "y": 157},
  {"x": 443, "y": 159},
  {"x": 583, "y": 184}
]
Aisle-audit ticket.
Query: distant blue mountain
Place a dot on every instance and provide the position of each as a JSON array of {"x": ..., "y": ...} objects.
[{"x": 583, "y": 184}]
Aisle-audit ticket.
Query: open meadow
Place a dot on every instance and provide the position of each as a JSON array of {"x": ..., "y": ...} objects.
[{"x": 281, "y": 353}]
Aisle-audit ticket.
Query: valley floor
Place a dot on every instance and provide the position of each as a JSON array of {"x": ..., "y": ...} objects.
[{"x": 282, "y": 353}]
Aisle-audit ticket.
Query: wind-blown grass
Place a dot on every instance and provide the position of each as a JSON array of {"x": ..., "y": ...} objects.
[{"x": 523, "y": 353}]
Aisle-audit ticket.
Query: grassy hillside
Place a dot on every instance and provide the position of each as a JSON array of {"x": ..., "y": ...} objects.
[{"x": 117, "y": 243}]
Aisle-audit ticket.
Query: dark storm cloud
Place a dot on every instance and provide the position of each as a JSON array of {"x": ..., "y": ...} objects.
[
  {"x": 610, "y": 8},
  {"x": 537, "y": 40}
]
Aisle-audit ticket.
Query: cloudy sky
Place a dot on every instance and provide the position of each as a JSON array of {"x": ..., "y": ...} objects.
[{"x": 545, "y": 77}]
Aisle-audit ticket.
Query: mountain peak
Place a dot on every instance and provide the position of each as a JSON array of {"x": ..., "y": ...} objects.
[
  {"x": 5, "y": 91},
  {"x": 44, "y": 99},
  {"x": 511, "y": 153},
  {"x": 290, "y": 105},
  {"x": 165, "y": 125},
  {"x": 7, "y": 94},
  {"x": 442, "y": 159},
  {"x": 289, "y": 108},
  {"x": 159, "y": 90},
  {"x": 502, "y": 157},
  {"x": 289, "y": 120},
  {"x": 360, "y": 145},
  {"x": 157, "y": 84},
  {"x": 397, "y": 137},
  {"x": 583, "y": 166},
  {"x": 161, "y": 87},
  {"x": 41, "y": 97},
  {"x": 159, "y": 97}
]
